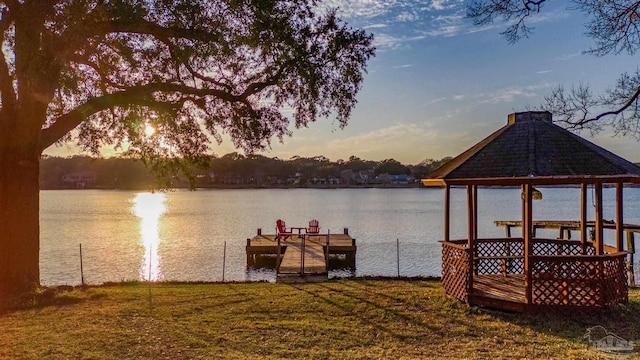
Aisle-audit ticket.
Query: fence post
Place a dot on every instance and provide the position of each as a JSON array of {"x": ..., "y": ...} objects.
[
  {"x": 398, "y": 255},
  {"x": 302, "y": 257},
  {"x": 631, "y": 248},
  {"x": 224, "y": 259},
  {"x": 81, "y": 267}
]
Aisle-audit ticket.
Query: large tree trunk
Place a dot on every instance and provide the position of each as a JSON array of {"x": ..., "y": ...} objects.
[{"x": 19, "y": 215}]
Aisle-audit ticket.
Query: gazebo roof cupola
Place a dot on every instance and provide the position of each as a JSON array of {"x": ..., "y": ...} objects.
[{"x": 531, "y": 146}]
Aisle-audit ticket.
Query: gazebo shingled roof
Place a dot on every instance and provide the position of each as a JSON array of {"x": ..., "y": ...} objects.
[
  {"x": 530, "y": 145},
  {"x": 530, "y": 273}
]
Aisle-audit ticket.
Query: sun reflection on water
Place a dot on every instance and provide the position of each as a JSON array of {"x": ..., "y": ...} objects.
[{"x": 149, "y": 207}]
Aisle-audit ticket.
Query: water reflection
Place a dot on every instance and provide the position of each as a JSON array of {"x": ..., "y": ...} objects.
[{"x": 149, "y": 207}]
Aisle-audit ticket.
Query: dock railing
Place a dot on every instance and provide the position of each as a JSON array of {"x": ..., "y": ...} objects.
[
  {"x": 326, "y": 252},
  {"x": 278, "y": 252}
]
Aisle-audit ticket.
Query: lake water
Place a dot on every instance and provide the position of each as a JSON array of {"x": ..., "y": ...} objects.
[{"x": 180, "y": 235}]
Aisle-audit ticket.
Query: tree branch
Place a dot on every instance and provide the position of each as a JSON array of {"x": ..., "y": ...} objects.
[
  {"x": 139, "y": 95},
  {"x": 102, "y": 28},
  {"x": 484, "y": 12},
  {"x": 624, "y": 107}
]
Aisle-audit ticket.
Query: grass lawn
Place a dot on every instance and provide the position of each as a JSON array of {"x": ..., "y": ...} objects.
[{"x": 340, "y": 319}]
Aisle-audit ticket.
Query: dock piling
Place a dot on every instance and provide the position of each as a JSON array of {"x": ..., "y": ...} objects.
[{"x": 250, "y": 256}]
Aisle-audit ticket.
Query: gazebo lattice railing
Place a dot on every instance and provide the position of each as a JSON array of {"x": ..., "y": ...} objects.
[
  {"x": 579, "y": 280},
  {"x": 455, "y": 269},
  {"x": 560, "y": 274}
]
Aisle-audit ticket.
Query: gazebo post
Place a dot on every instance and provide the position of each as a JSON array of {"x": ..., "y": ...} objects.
[
  {"x": 470, "y": 233},
  {"x": 475, "y": 214},
  {"x": 447, "y": 212},
  {"x": 583, "y": 219},
  {"x": 527, "y": 235},
  {"x": 598, "y": 219},
  {"x": 619, "y": 218}
]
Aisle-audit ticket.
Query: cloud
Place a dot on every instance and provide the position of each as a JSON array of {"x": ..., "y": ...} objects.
[
  {"x": 394, "y": 42},
  {"x": 408, "y": 143},
  {"x": 510, "y": 93},
  {"x": 543, "y": 72},
  {"x": 397, "y": 22},
  {"x": 568, "y": 56},
  {"x": 448, "y": 25},
  {"x": 398, "y": 142},
  {"x": 459, "y": 97},
  {"x": 407, "y": 17},
  {"x": 375, "y": 26},
  {"x": 361, "y": 8},
  {"x": 434, "y": 101},
  {"x": 440, "y": 5},
  {"x": 404, "y": 66}
]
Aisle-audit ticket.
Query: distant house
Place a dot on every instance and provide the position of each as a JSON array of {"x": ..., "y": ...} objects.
[
  {"x": 348, "y": 177},
  {"x": 362, "y": 177},
  {"x": 401, "y": 179},
  {"x": 81, "y": 179}
]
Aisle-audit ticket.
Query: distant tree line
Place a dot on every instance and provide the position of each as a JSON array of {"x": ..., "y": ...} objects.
[{"x": 233, "y": 169}]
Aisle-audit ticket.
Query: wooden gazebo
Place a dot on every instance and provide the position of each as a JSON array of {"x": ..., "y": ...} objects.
[{"x": 529, "y": 273}]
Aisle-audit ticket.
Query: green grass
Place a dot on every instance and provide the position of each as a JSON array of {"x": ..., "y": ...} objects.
[{"x": 345, "y": 319}]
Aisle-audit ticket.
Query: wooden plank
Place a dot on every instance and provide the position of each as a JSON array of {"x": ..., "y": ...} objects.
[
  {"x": 583, "y": 218},
  {"x": 470, "y": 234},
  {"x": 527, "y": 234},
  {"x": 447, "y": 212},
  {"x": 508, "y": 288},
  {"x": 599, "y": 220},
  {"x": 292, "y": 261}
]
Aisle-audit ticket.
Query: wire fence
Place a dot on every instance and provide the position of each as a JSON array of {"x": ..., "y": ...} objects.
[{"x": 404, "y": 263}]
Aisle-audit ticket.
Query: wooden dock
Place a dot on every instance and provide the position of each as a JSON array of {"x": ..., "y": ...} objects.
[{"x": 302, "y": 257}]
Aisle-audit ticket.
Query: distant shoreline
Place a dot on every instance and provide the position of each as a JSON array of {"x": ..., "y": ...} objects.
[{"x": 229, "y": 186}]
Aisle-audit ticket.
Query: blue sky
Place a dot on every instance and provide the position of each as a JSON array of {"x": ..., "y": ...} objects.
[{"x": 439, "y": 84}]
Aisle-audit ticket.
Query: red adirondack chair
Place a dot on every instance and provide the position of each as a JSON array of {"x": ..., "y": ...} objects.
[
  {"x": 314, "y": 227},
  {"x": 281, "y": 230}
]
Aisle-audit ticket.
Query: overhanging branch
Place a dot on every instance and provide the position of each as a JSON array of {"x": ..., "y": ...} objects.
[
  {"x": 139, "y": 95},
  {"x": 624, "y": 107}
]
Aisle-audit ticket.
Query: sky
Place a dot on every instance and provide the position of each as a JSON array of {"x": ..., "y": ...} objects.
[{"x": 438, "y": 84}]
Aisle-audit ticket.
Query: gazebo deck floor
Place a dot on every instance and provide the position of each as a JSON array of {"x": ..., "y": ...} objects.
[{"x": 499, "y": 291}]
